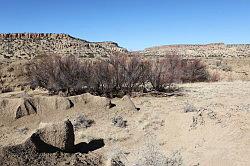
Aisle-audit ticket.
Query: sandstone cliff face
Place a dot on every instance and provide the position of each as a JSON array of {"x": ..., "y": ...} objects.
[
  {"x": 33, "y": 36},
  {"x": 205, "y": 51},
  {"x": 25, "y": 46}
]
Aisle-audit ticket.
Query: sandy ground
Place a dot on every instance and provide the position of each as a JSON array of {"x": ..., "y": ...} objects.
[{"x": 217, "y": 132}]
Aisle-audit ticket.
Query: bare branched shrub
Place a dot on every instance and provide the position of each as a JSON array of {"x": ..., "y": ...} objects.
[
  {"x": 165, "y": 72},
  {"x": 119, "y": 75},
  {"x": 103, "y": 79},
  {"x": 57, "y": 73},
  {"x": 194, "y": 70},
  {"x": 130, "y": 72}
]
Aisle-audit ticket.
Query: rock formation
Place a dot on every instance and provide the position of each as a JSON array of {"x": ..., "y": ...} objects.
[
  {"x": 58, "y": 135},
  {"x": 18, "y": 107},
  {"x": 25, "y": 46}
]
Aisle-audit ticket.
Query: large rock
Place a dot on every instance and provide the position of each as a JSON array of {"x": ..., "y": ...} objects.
[
  {"x": 90, "y": 100},
  {"x": 17, "y": 107},
  {"x": 27, "y": 107},
  {"x": 127, "y": 104},
  {"x": 59, "y": 135}
]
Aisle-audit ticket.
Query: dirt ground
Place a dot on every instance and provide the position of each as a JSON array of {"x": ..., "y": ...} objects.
[{"x": 208, "y": 125}]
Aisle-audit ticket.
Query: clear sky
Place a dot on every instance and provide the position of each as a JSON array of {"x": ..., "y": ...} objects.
[{"x": 134, "y": 24}]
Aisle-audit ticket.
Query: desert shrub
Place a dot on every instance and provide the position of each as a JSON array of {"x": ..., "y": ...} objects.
[
  {"x": 119, "y": 122},
  {"x": 81, "y": 121},
  {"x": 129, "y": 72},
  {"x": 57, "y": 73},
  {"x": 194, "y": 70},
  {"x": 117, "y": 75},
  {"x": 165, "y": 71},
  {"x": 151, "y": 155},
  {"x": 102, "y": 80}
]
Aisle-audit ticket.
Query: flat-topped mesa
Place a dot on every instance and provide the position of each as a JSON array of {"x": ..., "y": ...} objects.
[
  {"x": 211, "y": 50},
  {"x": 33, "y": 36}
]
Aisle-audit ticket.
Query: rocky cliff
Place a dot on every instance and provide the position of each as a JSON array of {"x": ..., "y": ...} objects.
[
  {"x": 206, "y": 51},
  {"x": 25, "y": 46}
]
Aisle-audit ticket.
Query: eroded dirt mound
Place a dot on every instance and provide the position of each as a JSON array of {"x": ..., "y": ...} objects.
[{"x": 16, "y": 107}]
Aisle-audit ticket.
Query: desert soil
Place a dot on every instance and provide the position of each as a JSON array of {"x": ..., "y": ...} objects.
[{"x": 215, "y": 132}]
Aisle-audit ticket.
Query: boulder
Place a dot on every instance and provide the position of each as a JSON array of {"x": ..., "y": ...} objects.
[
  {"x": 91, "y": 100},
  {"x": 27, "y": 107},
  {"x": 58, "y": 136},
  {"x": 17, "y": 107},
  {"x": 127, "y": 104}
]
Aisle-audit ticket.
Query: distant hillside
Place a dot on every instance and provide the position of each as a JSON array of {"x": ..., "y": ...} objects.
[
  {"x": 208, "y": 50},
  {"x": 25, "y": 46}
]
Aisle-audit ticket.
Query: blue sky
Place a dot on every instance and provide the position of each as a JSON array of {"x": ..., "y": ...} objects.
[{"x": 134, "y": 24}]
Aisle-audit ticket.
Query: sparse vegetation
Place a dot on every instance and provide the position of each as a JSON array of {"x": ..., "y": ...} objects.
[
  {"x": 194, "y": 70},
  {"x": 190, "y": 108},
  {"x": 115, "y": 76},
  {"x": 82, "y": 121},
  {"x": 3, "y": 88},
  {"x": 119, "y": 122},
  {"x": 151, "y": 155}
]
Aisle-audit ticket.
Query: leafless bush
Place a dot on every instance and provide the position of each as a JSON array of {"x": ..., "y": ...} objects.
[
  {"x": 165, "y": 71},
  {"x": 194, "y": 70},
  {"x": 103, "y": 82},
  {"x": 57, "y": 73},
  {"x": 116, "y": 76},
  {"x": 130, "y": 72}
]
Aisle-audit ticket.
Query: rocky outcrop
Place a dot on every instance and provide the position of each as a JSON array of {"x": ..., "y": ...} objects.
[
  {"x": 25, "y": 46},
  {"x": 126, "y": 104},
  {"x": 207, "y": 50},
  {"x": 14, "y": 36},
  {"x": 27, "y": 107}
]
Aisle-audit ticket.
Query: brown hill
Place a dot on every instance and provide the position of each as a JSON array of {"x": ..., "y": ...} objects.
[
  {"x": 208, "y": 50},
  {"x": 25, "y": 46}
]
